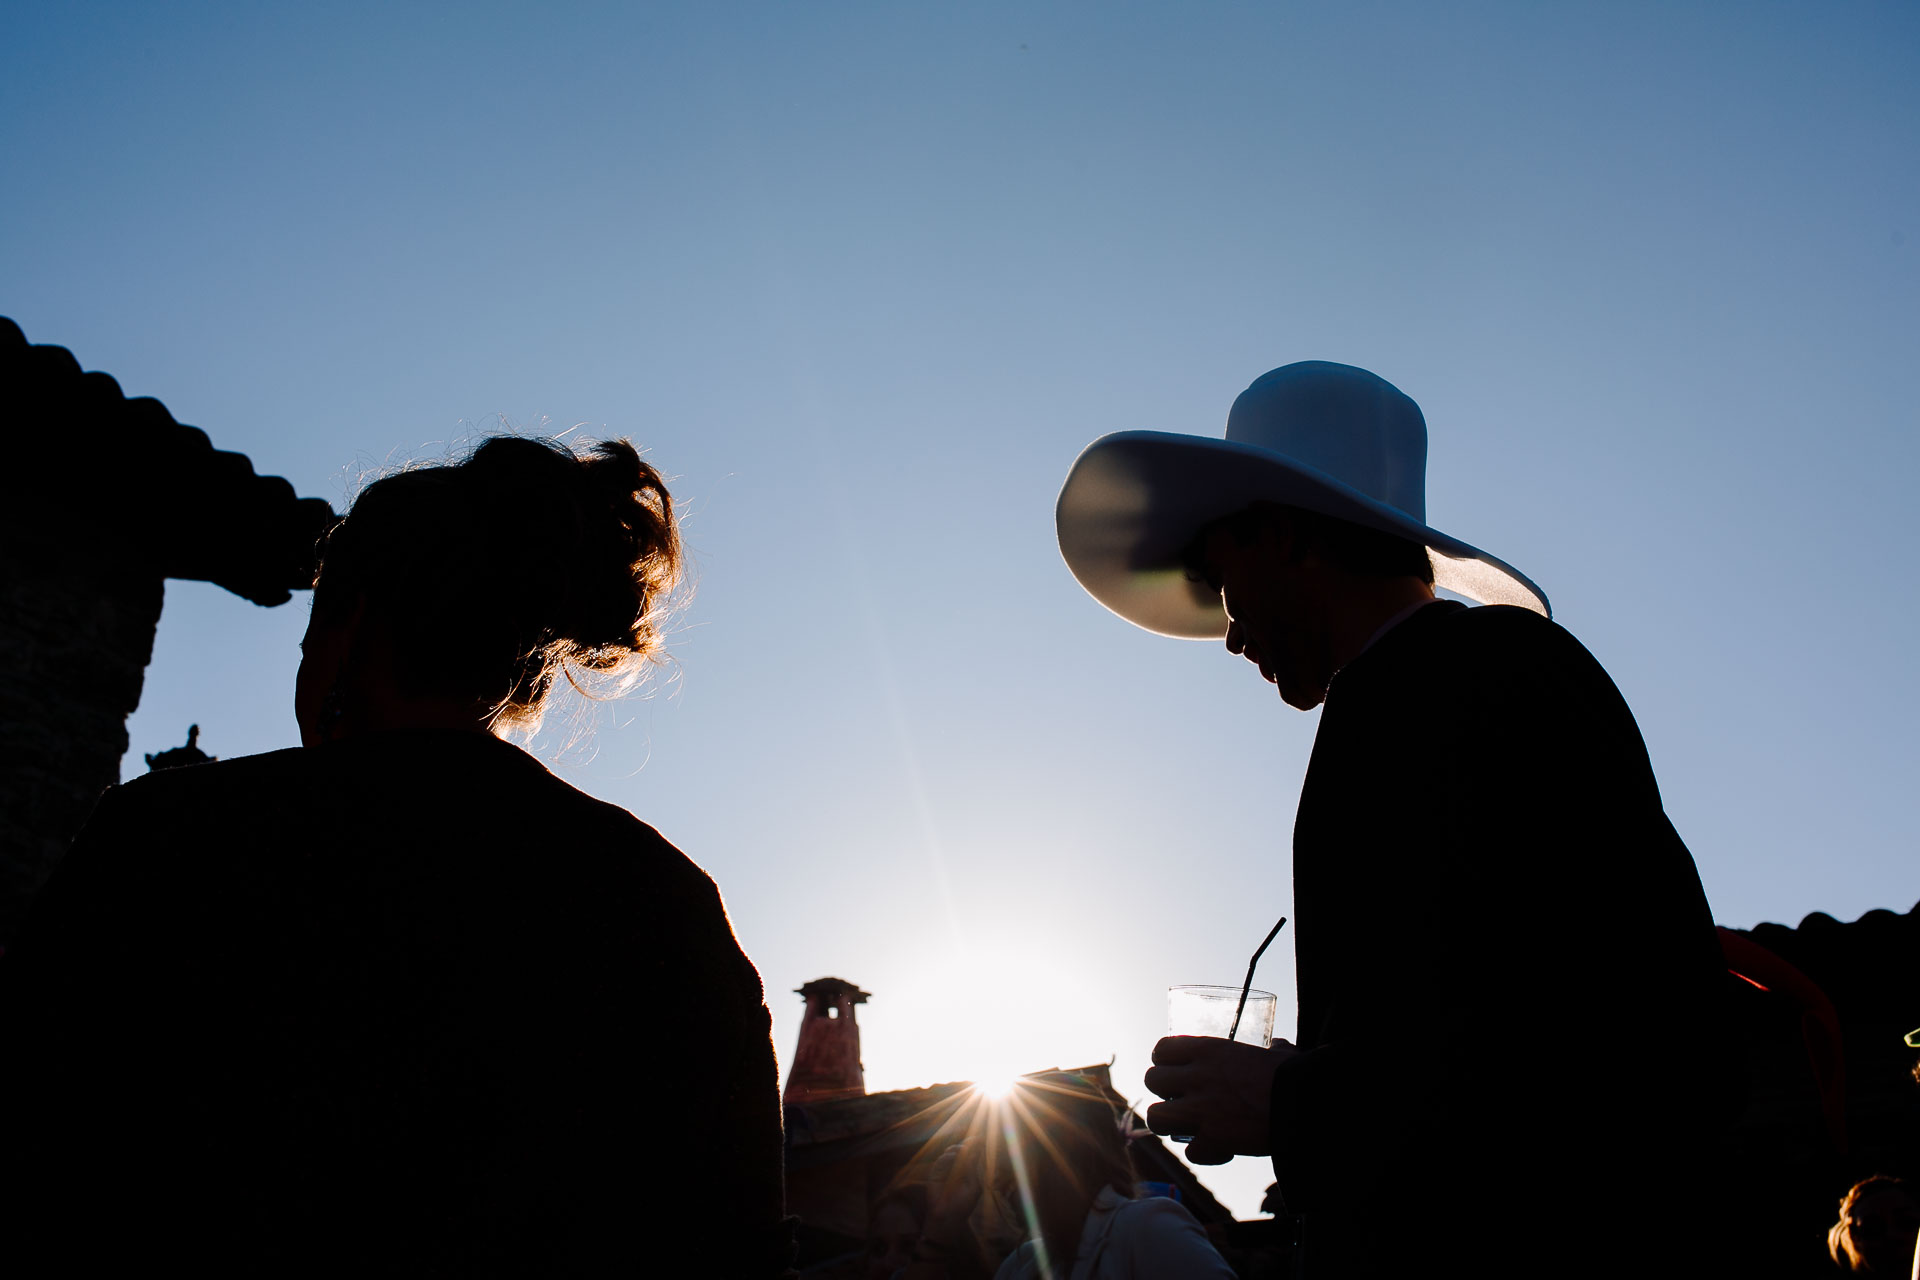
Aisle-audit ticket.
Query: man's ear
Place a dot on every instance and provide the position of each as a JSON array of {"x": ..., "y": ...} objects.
[{"x": 1283, "y": 533}]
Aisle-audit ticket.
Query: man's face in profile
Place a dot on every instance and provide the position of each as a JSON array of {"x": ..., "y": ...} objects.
[{"x": 1249, "y": 559}]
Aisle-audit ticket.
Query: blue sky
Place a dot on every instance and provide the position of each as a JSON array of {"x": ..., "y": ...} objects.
[{"x": 865, "y": 278}]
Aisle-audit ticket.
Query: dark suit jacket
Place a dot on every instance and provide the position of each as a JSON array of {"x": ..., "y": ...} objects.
[
  {"x": 1510, "y": 988},
  {"x": 404, "y": 1005}
]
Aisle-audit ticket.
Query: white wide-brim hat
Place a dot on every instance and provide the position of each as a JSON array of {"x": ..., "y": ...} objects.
[{"x": 1327, "y": 437}]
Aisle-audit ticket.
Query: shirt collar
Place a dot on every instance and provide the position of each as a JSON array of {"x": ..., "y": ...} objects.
[{"x": 1395, "y": 621}]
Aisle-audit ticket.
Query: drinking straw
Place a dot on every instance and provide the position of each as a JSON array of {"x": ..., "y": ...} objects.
[{"x": 1247, "y": 986}]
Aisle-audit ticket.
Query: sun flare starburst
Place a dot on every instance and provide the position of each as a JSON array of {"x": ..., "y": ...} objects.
[{"x": 995, "y": 1084}]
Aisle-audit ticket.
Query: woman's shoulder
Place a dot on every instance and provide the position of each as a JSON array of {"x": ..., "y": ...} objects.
[
  {"x": 591, "y": 850},
  {"x": 232, "y": 772},
  {"x": 599, "y": 828},
  {"x": 212, "y": 796},
  {"x": 464, "y": 793}
]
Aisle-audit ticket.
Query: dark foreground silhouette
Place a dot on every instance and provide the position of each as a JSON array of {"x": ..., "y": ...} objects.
[
  {"x": 405, "y": 1004},
  {"x": 112, "y": 498},
  {"x": 400, "y": 1002}
]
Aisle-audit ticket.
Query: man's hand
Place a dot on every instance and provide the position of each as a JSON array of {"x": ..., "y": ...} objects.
[{"x": 1218, "y": 1091}]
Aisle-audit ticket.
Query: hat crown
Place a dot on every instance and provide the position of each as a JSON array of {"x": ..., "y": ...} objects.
[{"x": 1346, "y": 423}]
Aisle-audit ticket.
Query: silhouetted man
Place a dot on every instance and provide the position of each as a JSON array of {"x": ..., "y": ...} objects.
[{"x": 1509, "y": 984}]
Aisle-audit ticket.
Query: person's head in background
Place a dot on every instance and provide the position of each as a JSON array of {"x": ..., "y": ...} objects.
[
  {"x": 1875, "y": 1235},
  {"x": 893, "y": 1228},
  {"x": 454, "y": 596},
  {"x": 1064, "y": 1133}
]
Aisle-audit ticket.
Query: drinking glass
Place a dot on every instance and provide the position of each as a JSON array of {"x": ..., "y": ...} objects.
[{"x": 1208, "y": 1011}]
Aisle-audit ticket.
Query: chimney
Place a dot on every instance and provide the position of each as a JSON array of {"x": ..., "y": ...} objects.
[{"x": 827, "y": 1062}]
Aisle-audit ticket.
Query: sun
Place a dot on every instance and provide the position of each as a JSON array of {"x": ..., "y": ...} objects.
[
  {"x": 995, "y": 1083},
  {"x": 987, "y": 1017}
]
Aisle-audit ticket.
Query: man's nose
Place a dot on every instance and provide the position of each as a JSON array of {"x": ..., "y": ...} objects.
[{"x": 1236, "y": 642}]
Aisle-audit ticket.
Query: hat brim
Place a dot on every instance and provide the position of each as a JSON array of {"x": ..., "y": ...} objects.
[{"x": 1135, "y": 500}]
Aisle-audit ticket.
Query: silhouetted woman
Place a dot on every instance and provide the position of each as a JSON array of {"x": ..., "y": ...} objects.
[{"x": 400, "y": 1001}]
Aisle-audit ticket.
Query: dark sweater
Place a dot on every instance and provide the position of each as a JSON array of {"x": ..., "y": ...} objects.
[
  {"x": 1510, "y": 988},
  {"x": 406, "y": 1004}
]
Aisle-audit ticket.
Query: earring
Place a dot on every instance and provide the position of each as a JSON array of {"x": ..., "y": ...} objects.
[{"x": 333, "y": 711}]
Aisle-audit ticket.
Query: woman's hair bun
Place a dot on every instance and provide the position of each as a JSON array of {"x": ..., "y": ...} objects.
[{"x": 525, "y": 560}]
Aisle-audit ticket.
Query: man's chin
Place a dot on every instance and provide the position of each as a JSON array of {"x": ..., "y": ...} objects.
[{"x": 1301, "y": 699}]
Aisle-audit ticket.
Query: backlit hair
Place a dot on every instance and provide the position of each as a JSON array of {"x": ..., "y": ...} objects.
[
  {"x": 1839, "y": 1235},
  {"x": 523, "y": 561}
]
